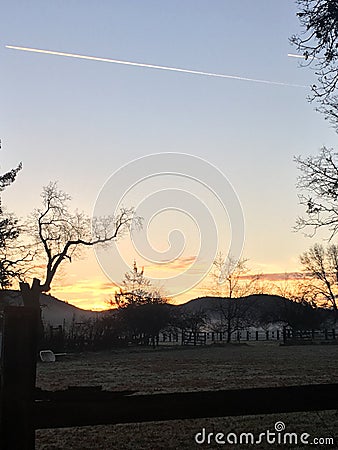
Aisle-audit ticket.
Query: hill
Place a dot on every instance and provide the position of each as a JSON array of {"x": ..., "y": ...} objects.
[
  {"x": 54, "y": 311},
  {"x": 263, "y": 309}
]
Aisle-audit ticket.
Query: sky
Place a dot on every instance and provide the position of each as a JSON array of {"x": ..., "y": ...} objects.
[{"x": 80, "y": 121}]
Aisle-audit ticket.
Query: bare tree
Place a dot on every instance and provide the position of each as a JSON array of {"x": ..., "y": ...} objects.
[
  {"x": 231, "y": 278},
  {"x": 297, "y": 305},
  {"x": 58, "y": 235},
  {"x": 12, "y": 254},
  {"x": 8, "y": 178},
  {"x": 318, "y": 184},
  {"x": 233, "y": 313},
  {"x": 318, "y": 44},
  {"x": 194, "y": 321},
  {"x": 329, "y": 108},
  {"x": 321, "y": 264}
]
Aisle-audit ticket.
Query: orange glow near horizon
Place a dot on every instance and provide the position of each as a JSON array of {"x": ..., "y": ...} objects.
[
  {"x": 83, "y": 284},
  {"x": 94, "y": 294}
]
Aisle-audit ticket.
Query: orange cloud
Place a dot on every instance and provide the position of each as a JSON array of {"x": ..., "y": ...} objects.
[{"x": 277, "y": 276}]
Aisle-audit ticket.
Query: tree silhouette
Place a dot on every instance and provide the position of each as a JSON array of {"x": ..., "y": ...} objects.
[
  {"x": 141, "y": 307},
  {"x": 322, "y": 265},
  {"x": 318, "y": 184},
  {"x": 318, "y": 44},
  {"x": 59, "y": 233},
  {"x": 12, "y": 255},
  {"x": 6, "y": 179},
  {"x": 233, "y": 313}
]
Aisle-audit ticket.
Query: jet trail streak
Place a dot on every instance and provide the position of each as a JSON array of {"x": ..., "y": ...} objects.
[
  {"x": 292, "y": 55},
  {"x": 150, "y": 66}
]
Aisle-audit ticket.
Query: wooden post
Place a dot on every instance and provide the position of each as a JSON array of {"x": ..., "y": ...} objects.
[
  {"x": 18, "y": 374},
  {"x": 31, "y": 299}
]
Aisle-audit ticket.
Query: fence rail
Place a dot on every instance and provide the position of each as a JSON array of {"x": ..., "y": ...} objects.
[{"x": 107, "y": 409}]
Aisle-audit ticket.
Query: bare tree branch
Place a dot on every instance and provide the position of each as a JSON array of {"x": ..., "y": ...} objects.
[
  {"x": 318, "y": 45},
  {"x": 60, "y": 233},
  {"x": 318, "y": 184},
  {"x": 322, "y": 265}
]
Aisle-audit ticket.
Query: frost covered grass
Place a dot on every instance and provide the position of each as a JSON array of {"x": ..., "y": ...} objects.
[{"x": 190, "y": 369}]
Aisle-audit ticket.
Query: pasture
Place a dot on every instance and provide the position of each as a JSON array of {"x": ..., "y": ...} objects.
[{"x": 175, "y": 369}]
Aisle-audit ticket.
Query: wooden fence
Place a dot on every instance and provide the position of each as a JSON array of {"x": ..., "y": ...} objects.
[
  {"x": 285, "y": 335},
  {"x": 23, "y": 408},
  {"x": 58, "y": 340}
]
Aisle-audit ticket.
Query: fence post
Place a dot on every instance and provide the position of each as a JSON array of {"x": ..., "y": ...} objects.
[
  {"x": 256, "y": 335},
  {"x": 284, "y": 335},
  {"x": 18, "y": 374},
  {"x": 333, "y": 334}
]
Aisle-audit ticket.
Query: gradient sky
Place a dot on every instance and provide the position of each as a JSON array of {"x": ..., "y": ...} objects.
[{"x": 78, "y": 121}]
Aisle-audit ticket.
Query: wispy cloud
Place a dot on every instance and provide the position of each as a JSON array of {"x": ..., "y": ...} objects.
[
  {"x": 181, "y": 263},
  {"x": 277, "y": 276},
  {"x": 151, "y": 66}
]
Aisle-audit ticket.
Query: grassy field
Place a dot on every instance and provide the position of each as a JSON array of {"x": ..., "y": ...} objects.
[{"x": 190, "y": 369}]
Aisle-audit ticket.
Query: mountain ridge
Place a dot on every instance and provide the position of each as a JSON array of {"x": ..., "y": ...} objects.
[{"x": 59, "y": 312}]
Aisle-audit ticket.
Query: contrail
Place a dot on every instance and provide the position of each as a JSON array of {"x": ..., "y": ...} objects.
[
  {"x": 149, "y": 66},
  {"x": 292, "y": 55}
]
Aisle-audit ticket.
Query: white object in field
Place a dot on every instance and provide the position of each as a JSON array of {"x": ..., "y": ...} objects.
[{"x": 49, "y": 355}]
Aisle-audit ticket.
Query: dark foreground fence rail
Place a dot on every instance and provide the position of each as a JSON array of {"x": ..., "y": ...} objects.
[
  {"x": 23, "y": 408},
  {"x": 114, "y": 407}
]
